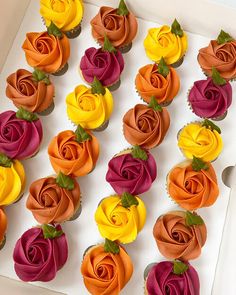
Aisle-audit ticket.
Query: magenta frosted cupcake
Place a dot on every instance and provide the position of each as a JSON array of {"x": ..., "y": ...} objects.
[
  {"x": 106, "y": 64},
  {"x": 40, "y": 253},
  {"x": 132, "y": 171},
  {"x": 169, "y": 277},
  {"x": 21, "y": 134},
  {"x": 211, "y": 98}
]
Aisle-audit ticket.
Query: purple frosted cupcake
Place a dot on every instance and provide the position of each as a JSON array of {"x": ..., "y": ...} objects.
[{"x": 106, "y": 64}]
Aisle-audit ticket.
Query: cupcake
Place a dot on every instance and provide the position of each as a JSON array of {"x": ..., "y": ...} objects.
[
  {"x": 132, "y": 171},
  {"x": 168, "y": 42},
  {"x": 106, "y": 64},
  {"x": 66, "y": 15},
  {"x": 221, "y": 55},
  {"x": 21, "y": 134},
  {"x": 3, "y": 228},
  {"x": 32, "y": 91},
  {"x": 118, "y": 24},
  {"x": 211, "y": 98},
  {"x": 180, "y": 235},
  {"x": 120, "y": 218},
  {"x": 54, "y": 199},
  {"x": 106, "y": 271},
  {"x": 177, "y": 277},
  {"x": 159, "y": 81},
  {"x": 40, "y": 253},
  {"x": 201, "y": 140},
  {"x": 47, "y": 51},
  {"x": 12, "y": 180},
  {"x": 74, "y": 153},
  {"x": 193, "y": 184},
  {"x": 146, "y": 125},
  {"x": 90, "y": 107}
]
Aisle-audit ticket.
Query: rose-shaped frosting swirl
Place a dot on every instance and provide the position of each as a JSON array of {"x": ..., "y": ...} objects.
[
  {"x": 161, "y": 278},
  {"x": 150, "y": 83},
  {"x": 87, "y": 109},
  {"x": 145, "y": 127},
  {"x": 116, "y": 222},
  {"x": 200, "y": 141},
  {"x": 65, "y": 14},
  {"x": 19, "y": 139},
  {"x": 132, "y": 175},
  {"x": 50, "y": 203},
  {"x": 209, "y": 100},
  {"x": 37, "y": 258},
  {"x": 25, "y": 92},
  {"x": 176, "y": 240},
  {"x": 72, "y": 157},
  {"x": 161, "y": 42},
  {"x": 104, "y": 65},
  {"x": 220, "y": 56},
  {"x": 12, "y": 183},
  {"x": 46, "y": 52},
  {"x": 106, "y": 273},
  {"x": 120, "y": 29},
  {"x": 191, "y": 189},
  {"x": 3, "y": 225}
]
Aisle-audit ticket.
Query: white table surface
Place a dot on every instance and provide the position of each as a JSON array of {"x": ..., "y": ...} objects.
[{"x": 83, "y": 232}]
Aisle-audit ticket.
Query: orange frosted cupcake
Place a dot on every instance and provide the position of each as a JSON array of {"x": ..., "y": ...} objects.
[
  {"x": 54, "y": 199},
  {"x": 74, "y": 153},
  {"x": 3, "y": 228},
  {"x": 180, "y": 235},
  {"x": 146, "y": 125},
  {"x": 193, "y": 184},
  {"x": 160, "y": 80},
  {"x": 118, "y": 24},
  {"x": 31, "y": 91},
  {"x": 106, "y": 269},
  {"x": 49, "y": 51}
]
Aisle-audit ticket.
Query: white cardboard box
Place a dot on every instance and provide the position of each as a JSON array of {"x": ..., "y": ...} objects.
[{"x": 200, "y": 17}]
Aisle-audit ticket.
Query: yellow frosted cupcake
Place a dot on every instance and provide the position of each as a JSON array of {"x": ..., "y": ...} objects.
[
  {"x": 120, "y": 218},
  {"x": 65, "y": 14},
  {"x": 90, "y": 107},
  {"x": 201, "y": 140},
  {"x": 168, "y": 42},
  {"x": 12, "y": 180}
]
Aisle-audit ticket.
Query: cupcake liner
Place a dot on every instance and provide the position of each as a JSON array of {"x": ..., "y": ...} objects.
[
  {"x": 102, "y": 127},
  {"x": 125, "y": 48},
  {"x": 76, "y": 214},
  {"x": 177, "y": 63},
  {"x": 114, "y": 86},
  {"x": 86, "y": 251},
  {"x": 163, "y": 104},
  {"x": 229, "y": 80},
  {"x": 61, "y": 71},
  {"x": 147, "y": 270},
  {"x": 3, "y": 242},
  {"x": 48, "y": 111},
  {"x": 74, "y": 33}
]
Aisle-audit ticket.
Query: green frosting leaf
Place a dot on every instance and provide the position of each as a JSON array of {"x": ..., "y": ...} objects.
[
  {"x": 122, "y": 9},
  {"x": 193, "y": 219},
  {"x": 5, "y": 161},
  {"x": 198, "y": 164},
  {"x": 128, "y": 200},
  {"x": 216, "y": 77},
  {"x": 26, "y": 115},
  {"x": 163, "y": 69},
  {"x": 97, "y": 87},
  {"x": 209, "y": 124},
  {"x": 176, "y": 28},
  {"x": 50, "y": 232},
  {"x": 107, "y": 46},
  {"x": 139, "y": 153},
  {"x": 154, "y": 104},
  {"x": 65, "y": 181},
  {"x": 81, "y": 135},
  {"x": 111, "y": 247},
  {"x": 224, "y": 37},
  {"x": 38, "y": 75},
  {"x": 54, "y": 30},
  {"x": 179, "y": 267}
]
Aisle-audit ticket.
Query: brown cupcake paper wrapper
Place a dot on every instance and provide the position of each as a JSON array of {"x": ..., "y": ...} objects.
[
  {"x": 230, "y": 80},
  {"x": 89, "y": 249},
  {"x": 163, "y": 104},
  {"x": 61, "y": 71},
  {"x": 177, "y": 63},
  {"x": 76, "y": 214},
  {"x": 114, "y": 86},
  {"x": 3, "y": 242},
  {"x": 75, "y": 32},
  {"x": 102, "y": 127},
  {"x": 47, "y": 111},
  {"x": 125, "y": 48}
]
